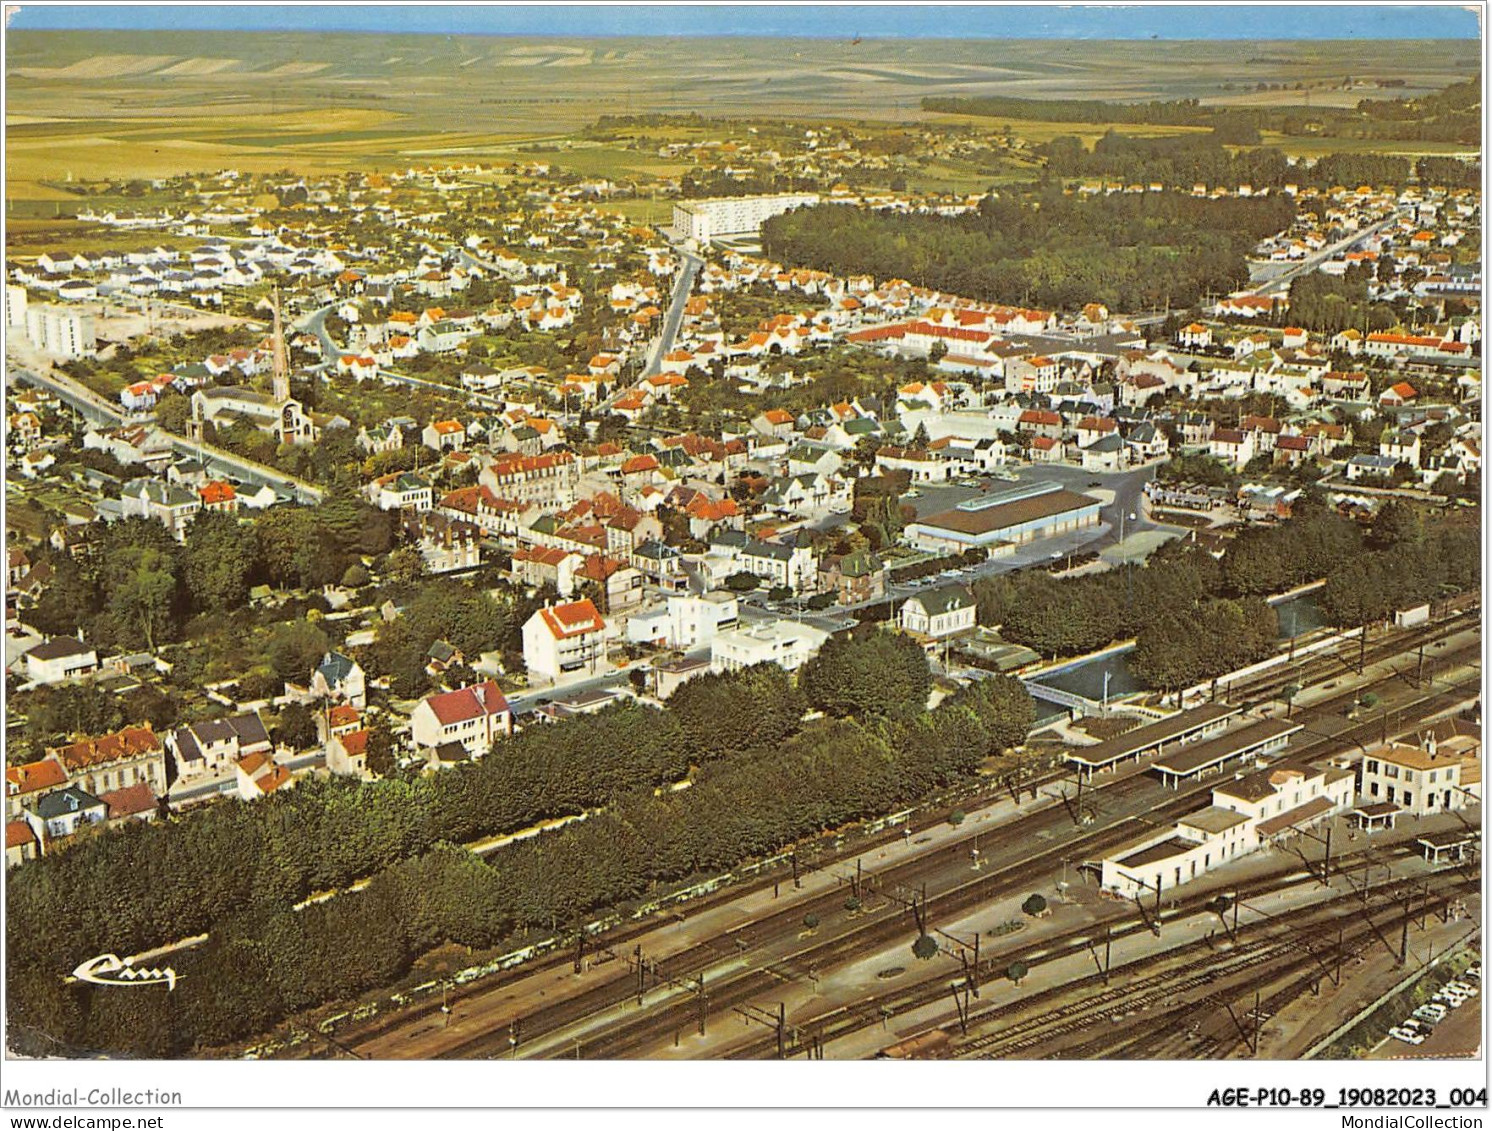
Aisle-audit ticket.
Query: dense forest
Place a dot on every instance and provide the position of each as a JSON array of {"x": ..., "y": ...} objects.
[
  {"x": 236, "y": 870},
  {"x": 1045, "y": 248},
  {"x": 1452, "y": 115}
]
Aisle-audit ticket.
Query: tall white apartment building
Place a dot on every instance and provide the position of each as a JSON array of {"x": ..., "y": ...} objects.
[
  {"x": 15, "y": 307},
  {"x": 63, "y": 333},
  {"x": 704, "y": 220}
]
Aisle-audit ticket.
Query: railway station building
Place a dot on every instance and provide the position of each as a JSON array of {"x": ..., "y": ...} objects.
[
  {"x": 1247, "y": 813},
  {"x": 1433, "y": 775}
]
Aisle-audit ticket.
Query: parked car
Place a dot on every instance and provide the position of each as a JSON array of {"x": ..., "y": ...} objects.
[
  {"x": 1449, "y": 997},
  {"x": 1431, "y": 1012},
  {"x": 1408, "y": 1036},
  {"x": 1474, "y": 972},
  {"x": 1465, "y": 989}
]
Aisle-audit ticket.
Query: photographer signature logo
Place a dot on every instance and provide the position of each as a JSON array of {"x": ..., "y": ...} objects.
[{"x": 111, "y": 970}]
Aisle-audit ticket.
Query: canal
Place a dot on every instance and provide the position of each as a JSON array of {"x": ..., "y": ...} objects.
[{"x": 1297, "y": 616}]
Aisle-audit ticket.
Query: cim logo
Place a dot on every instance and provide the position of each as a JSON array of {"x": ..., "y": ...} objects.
[{"x": 111, "y": 970}]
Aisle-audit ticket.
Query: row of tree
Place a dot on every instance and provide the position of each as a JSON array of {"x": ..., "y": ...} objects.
[
  {"x": 1194, "y": 617},
  {"x": 1189, "y": 159},
  {"x": 1450, "y": 115},
  {"x": 235, "y": 871}
]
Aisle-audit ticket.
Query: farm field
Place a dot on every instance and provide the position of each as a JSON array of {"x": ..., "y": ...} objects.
[{"x": 129, "y": 104}]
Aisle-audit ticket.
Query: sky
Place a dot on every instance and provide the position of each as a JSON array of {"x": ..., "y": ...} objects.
[{"x": 1027, "y": 21}]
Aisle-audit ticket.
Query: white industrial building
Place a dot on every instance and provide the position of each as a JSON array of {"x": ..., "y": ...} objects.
[
  {"x": 705, "y": 220},
  {"x": 687, "y": 621},
  {"x": 785, "y": 643}
]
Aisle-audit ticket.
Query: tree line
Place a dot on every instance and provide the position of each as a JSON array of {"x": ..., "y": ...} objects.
[
  {"x": 1194, "y": 617},
  {"x": 1452, "y": 114},
  {"x": 1190, "y": 159},
  {"x": 235, "y": 870}
]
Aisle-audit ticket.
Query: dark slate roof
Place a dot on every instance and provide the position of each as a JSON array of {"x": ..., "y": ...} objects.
[
  {"x": 336, "y": 667},
  {"x": 64, "y": 801},
  {"x": 247, "y": 729},
  {"x": 944, "y": 599},
  {"x": 60, "y": 648}
]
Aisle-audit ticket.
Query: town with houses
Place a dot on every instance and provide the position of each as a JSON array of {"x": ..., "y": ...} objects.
[{"x": 320, "y": 406}]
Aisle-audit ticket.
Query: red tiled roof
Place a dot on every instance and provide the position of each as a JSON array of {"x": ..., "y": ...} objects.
[
  {"x": 469, "y": 702},
  {"x": 574, "y": 619},
  {"x": 46, "y": 773},
  {"x": 18, "y": 833},
  {"x": 131, "y": 742},
  {"x": 640, "y": 463},
  {"x": 129, "y": 801},
  {"x": 218, "y": 492}
]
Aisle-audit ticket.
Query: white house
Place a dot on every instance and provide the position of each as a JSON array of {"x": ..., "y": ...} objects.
[
  {"x": 787, "y": 644},
  {"x": 940, "y": 612},
  {"x": 59, "y": 660},
  {"x": 1432, "y": 776},
  {"x": 473, "y": 716},
  {"x": 697, "y": 620},
  {"x": 209, "y": 748},
  {"x": 560, "y": 639}
]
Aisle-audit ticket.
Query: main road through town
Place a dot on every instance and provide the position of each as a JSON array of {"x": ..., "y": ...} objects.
[{"x": 99, "y": 411}]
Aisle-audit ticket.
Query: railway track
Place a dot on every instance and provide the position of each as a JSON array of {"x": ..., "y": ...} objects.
[
  {"x": 1344, "y": 660},
  {"x": 681, "y": 968},
  {"x": 845, "y": 1020},
  {"x": 871, "y": 929},
  {"x": 1298, "y": 963}
]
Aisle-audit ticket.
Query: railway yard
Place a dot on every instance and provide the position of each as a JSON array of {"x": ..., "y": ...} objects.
[{"x": 819, "y": 963}]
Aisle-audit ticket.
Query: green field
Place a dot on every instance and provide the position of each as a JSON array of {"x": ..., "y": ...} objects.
[{"x": 130, "y": 104}]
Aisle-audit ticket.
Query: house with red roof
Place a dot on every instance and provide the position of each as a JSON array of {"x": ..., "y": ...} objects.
[
  {"x": 259, "y": 775},
  {"x": 347, "y": 753},
  {"x": 474, "y": 716},
  {"x": 218, "y": 495},
  {"x": 127, "y": 757},
  {"x": 136, "y": 802},
  {"x": 29, "y": 781},
  {"x": 1398, "y": 395},
  {"x": 21, "y": 843},
  {"x": 444, "y": 435},
  {"x": 561, "y": 639}
]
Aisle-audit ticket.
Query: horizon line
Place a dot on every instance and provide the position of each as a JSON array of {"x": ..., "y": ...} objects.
[{"x": 604, "y": 20}]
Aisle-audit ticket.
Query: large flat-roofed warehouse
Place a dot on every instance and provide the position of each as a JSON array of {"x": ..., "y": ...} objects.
[
  {"x": 1020, "y": 514},
  {"x": 1152, "y": 738}
]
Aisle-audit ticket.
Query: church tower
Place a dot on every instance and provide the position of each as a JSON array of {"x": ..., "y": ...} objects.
[{"x": 281, "y": 360}]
